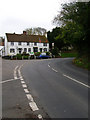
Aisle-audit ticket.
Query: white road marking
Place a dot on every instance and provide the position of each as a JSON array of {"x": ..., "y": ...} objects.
[
  {"x": 29, "y": 96},
  {"x": 54, "y": 70},
  {"x": 77, "y": 81},
  {"x": 33, "y": 106},
  {"x": 26, "y": 91},
  {"x": 24, "y": 85},
  {"x": 21, "y": 79},
  {"x": 15, "y": 75},
  {"x": 8, "y": 80},
  {"x": 22, "y": 82},
  {"x": 48, "y": 65},
  {"x": 40, "y": 116}
]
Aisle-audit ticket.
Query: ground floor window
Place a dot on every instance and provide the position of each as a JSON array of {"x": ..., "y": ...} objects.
[
  {"x": 19, "y": 50},
  {"x": 29, "y": 49},
  {"x": 45, "y": 49},
  {"x": 35, "y": 49},
  {"x": 40, "y": 49},
  {"x": 12, "y": 50},
  {"x": 25, "y": 49}
]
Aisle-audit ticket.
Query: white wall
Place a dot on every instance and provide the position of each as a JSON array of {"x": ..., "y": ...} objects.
[{"x": 8, "y": 46}]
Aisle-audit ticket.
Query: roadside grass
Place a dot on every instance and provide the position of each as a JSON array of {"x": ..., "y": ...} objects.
[
  {"x": 68, "y": 54},
  {"x": 82, "y": 62}
]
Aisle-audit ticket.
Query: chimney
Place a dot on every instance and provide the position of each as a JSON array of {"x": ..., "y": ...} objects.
[{"x": 24, "y": 32}]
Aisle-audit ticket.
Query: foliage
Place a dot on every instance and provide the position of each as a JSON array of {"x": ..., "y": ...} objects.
[
  {"x": 37, "y": 53},
  {"x": 25, "y": 57},
  {"x": 75, "y": 18},
  {"x": 25, "y": 54},
  {"x": 68, "y": 54},
  {"x": 55, "y": 51},
  {"x": 47, "y": 53},
  {"x": 36, "y": 31},
  {"x": 55, "y": 37},
  {"x": 19, "y": 56},
  {"x": 82, "y": 62}
]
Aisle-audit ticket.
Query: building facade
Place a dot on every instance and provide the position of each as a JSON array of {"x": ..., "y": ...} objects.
[
  {"x": 19, "y": 43},
  {"x": 2, "y": 49}
]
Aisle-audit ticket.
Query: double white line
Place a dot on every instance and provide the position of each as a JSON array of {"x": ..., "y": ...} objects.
[{"x": 32, "y": 103}]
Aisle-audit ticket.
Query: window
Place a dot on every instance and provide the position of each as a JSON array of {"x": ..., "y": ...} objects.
[
  {"x": 35, "y": 49},
  {"x": 12, "y": 50},
  {"x": 29, "y": 49},
  {"x": 19, "y": 43},
  {"x": 45, "y": 49},
  {"x": 12, "y": 43},
  {"x": 25, "y": 49},
  {"x": 27, "y": 43},
  {"x": 35, "y": 44},
  {"x": 44, "y": 44}
]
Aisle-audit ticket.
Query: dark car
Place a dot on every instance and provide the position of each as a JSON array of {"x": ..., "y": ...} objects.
[{"x": 43, "y": 56}]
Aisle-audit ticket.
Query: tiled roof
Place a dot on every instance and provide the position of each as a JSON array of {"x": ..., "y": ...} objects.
[{"x": 26, "y": 38}]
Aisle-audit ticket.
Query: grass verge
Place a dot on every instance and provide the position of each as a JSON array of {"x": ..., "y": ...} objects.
[
  {"x": 82, "y": 62},
  {"x": 68, "y": 54}
]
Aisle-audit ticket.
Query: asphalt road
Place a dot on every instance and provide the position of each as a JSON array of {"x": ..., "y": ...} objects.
[{"x": 59, "y": 89}]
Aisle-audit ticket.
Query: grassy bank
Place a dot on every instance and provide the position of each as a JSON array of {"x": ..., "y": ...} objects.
[
  {"x": 82, "y": 62},
  {"x": 68, "y": 54}
]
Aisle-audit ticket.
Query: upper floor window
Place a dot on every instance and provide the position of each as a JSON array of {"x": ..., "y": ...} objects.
[
  {"x": 35, "y": 44},
  {"x": 27, "y": 43},
  {"x": 19, "y": 43},
  {"x": 12, "y": 43},
  {"x": 44, "y": 44}
]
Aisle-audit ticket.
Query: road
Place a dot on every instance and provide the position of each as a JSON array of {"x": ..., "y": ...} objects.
[{"x": 52, "y": 88}]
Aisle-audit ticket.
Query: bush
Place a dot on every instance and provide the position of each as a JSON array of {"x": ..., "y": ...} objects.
[
  {"x": 25, "y": 57},
  {"x": 37, "y": 53},
  {"x": 82, "y": 62},
  {"x": 25, "y": 54},
  {"x": 19, "y": 56},
  {"x": 55, "y": 51},
  {"x": 7, "y": 57},
  {"x": 47, "y": 53}
]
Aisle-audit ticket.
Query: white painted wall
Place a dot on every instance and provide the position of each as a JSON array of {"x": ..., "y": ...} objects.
[{"x": 23, "y": 45}]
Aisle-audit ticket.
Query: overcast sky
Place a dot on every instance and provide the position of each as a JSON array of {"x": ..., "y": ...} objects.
[{"x": 17, "y": 15}]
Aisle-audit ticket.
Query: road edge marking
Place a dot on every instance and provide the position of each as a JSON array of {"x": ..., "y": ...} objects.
[{"x": 76, "y": 81}]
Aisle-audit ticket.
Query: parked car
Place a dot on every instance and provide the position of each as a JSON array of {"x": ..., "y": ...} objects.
[{"x": 43, "y": 56}]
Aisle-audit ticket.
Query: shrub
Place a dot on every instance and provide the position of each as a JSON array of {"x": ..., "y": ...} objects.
[
  {"x": 19, "y": 56},
  {"x": 25, "y": 54},
  {"x": 37, "y": 53},
  {"x": 25, "y": 57},
  {"x": 55, "y": 51},
  {"x": 7, "y": 57},
  {"x": 47, "y": 53}
]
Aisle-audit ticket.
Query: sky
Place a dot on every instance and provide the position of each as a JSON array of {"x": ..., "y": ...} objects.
[{"x": 17, "y": 15}]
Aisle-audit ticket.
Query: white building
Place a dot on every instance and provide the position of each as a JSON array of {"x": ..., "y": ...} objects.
[
  {"x": 2, "y": 46},
  {"x": 19, "y": 43}
]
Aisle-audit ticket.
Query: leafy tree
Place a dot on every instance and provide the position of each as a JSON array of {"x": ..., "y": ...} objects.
[
  {"x": 36, "y": 31},
  {"x": 52, "y": 37},
  {"x": 75, "y": 18}
]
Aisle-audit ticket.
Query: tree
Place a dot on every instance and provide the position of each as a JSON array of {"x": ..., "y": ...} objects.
[
  {"x": 75, "y": 23},
  {"x": 36, "y": 31},
  {"x": 52, "y": 36}
]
